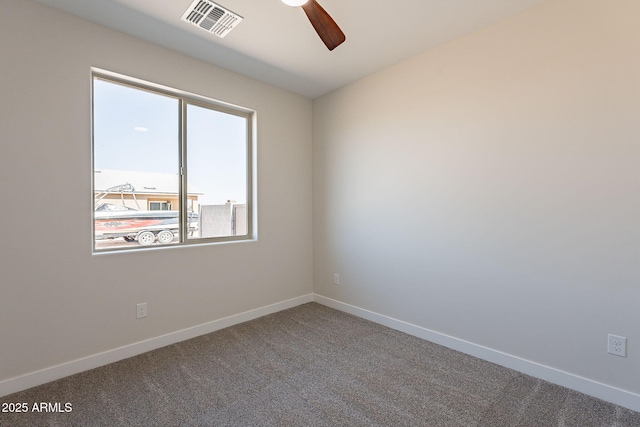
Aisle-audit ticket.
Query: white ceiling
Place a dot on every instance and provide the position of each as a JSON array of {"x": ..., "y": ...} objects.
[{"x": 276, "y": 44}]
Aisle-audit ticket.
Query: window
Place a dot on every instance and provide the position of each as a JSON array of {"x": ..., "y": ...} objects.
[
  {"x": 160, "y": 206},
  {"x": 169, "y": 168}
]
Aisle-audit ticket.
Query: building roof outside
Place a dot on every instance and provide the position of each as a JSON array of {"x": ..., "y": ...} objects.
[{"x": 142, "y": 182}]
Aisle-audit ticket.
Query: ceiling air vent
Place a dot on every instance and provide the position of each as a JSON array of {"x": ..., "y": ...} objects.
[{"x": 211, "y": 17}]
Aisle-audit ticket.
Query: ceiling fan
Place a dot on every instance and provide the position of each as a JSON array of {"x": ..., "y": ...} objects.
[
  {"x": 325, "y": 26},
  {"x": 218, "y": 20}
]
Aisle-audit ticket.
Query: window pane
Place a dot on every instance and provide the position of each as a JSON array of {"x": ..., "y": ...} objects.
[
  {"x": 144, "y": 139},
  {"x": 217, "y": 172},
  {"x": 136, "y": 160}
]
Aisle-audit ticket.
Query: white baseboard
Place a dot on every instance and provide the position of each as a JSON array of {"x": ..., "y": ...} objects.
[
  {"x": 605, "y": 392},
  {"x": 23, "y": 382}
]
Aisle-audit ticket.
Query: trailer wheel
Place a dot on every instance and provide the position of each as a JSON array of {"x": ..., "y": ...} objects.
[
  {"x": 165, "y": 237},
  {"x": 129, "y": 239},
  {"x": 146, "y": 238}
]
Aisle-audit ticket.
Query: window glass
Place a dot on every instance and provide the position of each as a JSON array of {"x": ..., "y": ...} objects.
[
  {"x": 217, "y": 165},
  {"x": 167, "y": 169}
]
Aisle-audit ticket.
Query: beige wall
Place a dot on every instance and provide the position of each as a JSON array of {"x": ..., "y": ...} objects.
[
  {"x": 489, "y": 189},
  {"x": 56, "y": 303}
]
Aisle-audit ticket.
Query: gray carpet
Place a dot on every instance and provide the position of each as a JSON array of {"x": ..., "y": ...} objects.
[{"x": 311, "y": 366}]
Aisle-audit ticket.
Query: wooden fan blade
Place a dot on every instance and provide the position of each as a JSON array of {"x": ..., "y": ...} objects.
[{"x": 325, "y": 26}]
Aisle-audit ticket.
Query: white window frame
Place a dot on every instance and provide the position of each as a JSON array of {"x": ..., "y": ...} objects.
[{"x": 184, "y": 98}]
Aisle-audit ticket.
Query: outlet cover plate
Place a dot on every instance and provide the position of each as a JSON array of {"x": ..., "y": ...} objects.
[
  {"x": 141, "y": 310},
  {"x": 617, "y": 345}
]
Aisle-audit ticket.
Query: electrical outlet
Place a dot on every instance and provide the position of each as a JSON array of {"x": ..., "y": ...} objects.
[
  {"x": 336, "y": 279},
  {"x": 617, "y": 345},
  {"x": 141, "y": 310}
]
